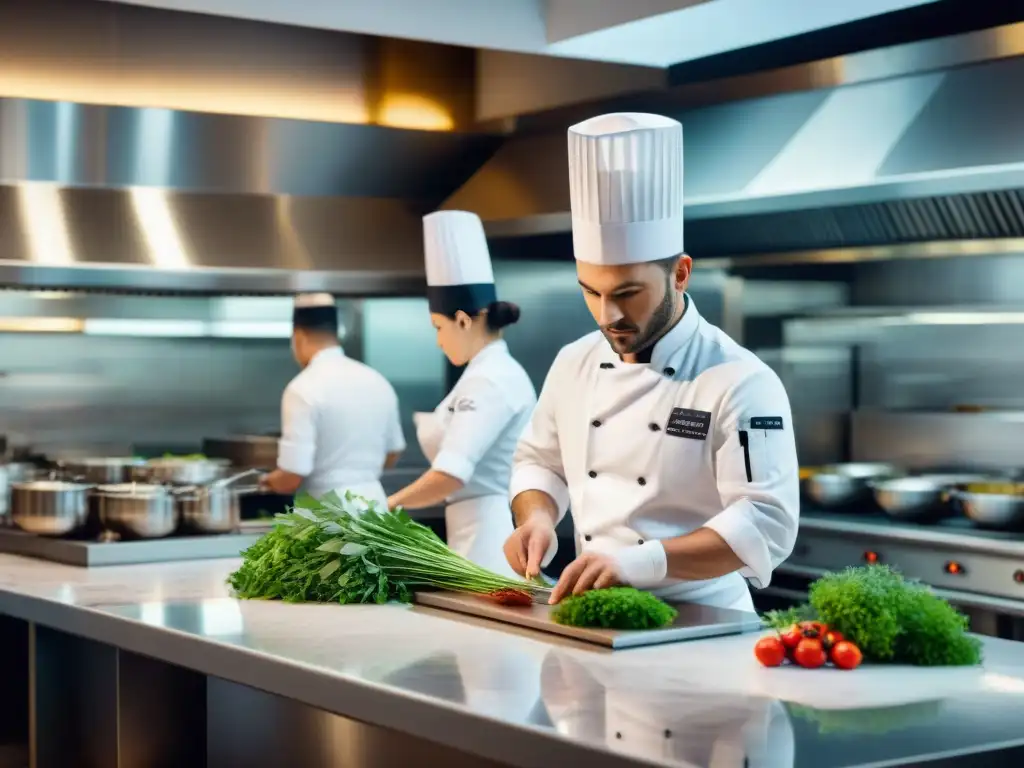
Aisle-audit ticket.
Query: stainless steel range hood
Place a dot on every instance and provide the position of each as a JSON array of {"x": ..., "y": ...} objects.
[
  {"x": 920, "y": 143},
  {"x": 156, "y": 200}
]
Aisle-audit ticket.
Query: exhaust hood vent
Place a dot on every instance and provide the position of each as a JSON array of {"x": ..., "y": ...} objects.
[
  {"x": 143, "y": 200},
  {"x": 982, "y": 215},
  {"x": 935, "y": 155}
]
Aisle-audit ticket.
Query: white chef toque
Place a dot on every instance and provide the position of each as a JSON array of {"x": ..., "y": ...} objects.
[
  {"x": 315, "y": 310},
  {"x": 626, "y": 188},
  {"x": 458, "y": 264}
]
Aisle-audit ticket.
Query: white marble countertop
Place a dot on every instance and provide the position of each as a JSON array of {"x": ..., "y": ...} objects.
[{"x": 463, "y": 681}]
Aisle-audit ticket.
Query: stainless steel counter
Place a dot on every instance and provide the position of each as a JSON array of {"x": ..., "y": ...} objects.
[{"x": 494, "y": 695}]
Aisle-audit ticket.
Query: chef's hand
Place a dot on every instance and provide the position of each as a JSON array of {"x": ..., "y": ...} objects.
[
  {"x": 588, "y": 571},
  {"x": 527, "y": 547}
]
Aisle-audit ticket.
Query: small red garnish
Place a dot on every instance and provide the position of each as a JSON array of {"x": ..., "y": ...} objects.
[
  {"x": 831, "y": 638},
  {"x": 510, "y": 597},
  {"x": 846, "y": 655},
  {"x": 791, "y": 638},
  {"x": 810, "y": 654},
  {"x": 770, "y": 651}
]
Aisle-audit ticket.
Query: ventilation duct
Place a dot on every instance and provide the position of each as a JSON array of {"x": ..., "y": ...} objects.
[
  {"x": 935, "y": 153},
  {"x": 135, "y": 199}
]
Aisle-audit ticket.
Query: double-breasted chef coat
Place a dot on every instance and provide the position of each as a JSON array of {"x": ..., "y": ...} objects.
[
  {"x": 686, "y": 726},
  {"x": 339, "y": 420},
  {"x": 472, "y": 435},
  {"x": 700, "y": 436}
]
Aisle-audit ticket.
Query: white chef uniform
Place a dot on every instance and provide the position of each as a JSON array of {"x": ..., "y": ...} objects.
[
  {"x": 472, "y": 433},
  {"x": 703, "y": 727},
  {"x": 339, "y": 420},
  {"x": 700, "y": 436}
]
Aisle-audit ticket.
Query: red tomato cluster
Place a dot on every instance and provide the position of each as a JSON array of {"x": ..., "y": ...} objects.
[{"x": 809, "y": 644}]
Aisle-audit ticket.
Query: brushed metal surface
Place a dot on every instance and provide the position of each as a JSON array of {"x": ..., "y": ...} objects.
[
  {"x": 888, "y": 159},
  {"x": 692, "y": 623},
  {"x": 94, "y": 554},
  {"x": 170, "y": 241}
]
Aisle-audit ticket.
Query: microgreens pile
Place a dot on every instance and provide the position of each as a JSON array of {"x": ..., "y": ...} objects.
[{"x": 345, "y": 550}]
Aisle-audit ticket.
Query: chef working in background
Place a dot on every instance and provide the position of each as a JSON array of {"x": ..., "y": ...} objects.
[
  {"x": 339, "y": 418},
  {"x": 672, "y": 442},
  {"x": 470, "y": 437}
]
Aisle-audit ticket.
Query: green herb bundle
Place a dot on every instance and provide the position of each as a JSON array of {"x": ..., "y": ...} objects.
[
  {"x": 890, "y": 618},
  {"x": 614, "y": 608},
  {"x": 345, "y": 551}
]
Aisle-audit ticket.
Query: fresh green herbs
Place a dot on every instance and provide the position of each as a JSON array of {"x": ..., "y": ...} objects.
[
  {"x": 345, "y": 551},
  {"x": 875, "y": 721},
  {"x": 890, "y": 618},
  {"x": 614, "y": 608}
]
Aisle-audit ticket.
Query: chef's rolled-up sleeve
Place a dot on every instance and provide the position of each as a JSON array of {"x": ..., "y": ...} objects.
[
  {"x": 480, "y": 413},
  {"x": 537, "y": 464},
  {"x": 758, "y": 475},
  {"x": 296, "y": 449}
]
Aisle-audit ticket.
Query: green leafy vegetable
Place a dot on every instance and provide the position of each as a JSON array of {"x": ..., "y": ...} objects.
[
  {"x": 890, "y": 618},
  {"x": 863, "y": 604},
  {"x": 783, "y": 620},
  {"x": 614, "y": 608},
  {"x": 934, "y": 633},
  {"x": 345, "y": 551},
  {"x": 873, "y": 721}
]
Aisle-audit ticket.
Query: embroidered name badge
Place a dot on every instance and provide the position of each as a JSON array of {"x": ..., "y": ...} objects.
[
  {"x": 766, "y": 422},
  {"x": 684, "y": 422}
]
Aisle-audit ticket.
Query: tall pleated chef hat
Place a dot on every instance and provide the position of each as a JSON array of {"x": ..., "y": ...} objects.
[
  {"x": 315, "y": 311},
  {"x": 458, "y": 264},
  {"x": 626, "y": 188}
]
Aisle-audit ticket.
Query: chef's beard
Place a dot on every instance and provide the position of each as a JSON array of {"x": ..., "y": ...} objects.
[{"x": 661, "y": 321}]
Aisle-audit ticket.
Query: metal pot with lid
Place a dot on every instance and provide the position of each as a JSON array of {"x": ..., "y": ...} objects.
[
  {"x": 10, "y": 473},
  {"x": 101, "y": 471},
  {"x": 215, "y": 508},
  {"x": 182, "y": 471},
  {"x": 138, "y": 510},
  {"x": 49, "y": 507}
]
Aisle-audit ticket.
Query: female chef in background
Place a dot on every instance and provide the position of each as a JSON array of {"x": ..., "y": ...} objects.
[{"x": 470, "y": 437}]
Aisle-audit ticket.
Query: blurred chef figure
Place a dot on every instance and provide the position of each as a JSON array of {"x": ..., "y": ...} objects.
[
  {"x": 339, "y": 418},
  {"x": 470, "y": 437},
  {"x": 686, "y": 725},
  {"x": 673, "y": 443}
]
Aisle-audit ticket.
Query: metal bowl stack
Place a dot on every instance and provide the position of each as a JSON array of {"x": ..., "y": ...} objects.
[
  {"x": 138, "y": 510},
  {"x": 50, "y": 507},
  {"x": 993, "y": 505},
  {"x": 845, "y": 486}
]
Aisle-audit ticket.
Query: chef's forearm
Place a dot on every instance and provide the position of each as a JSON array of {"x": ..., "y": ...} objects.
[
  {"x": 529, "y": 503},
  {"x": 282, "y": 481},
  {"x": 702, "y": 554},
  {"x": 428, "y": 490}
]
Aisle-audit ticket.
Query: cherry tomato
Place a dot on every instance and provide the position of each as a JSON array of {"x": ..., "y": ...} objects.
[
  {"x": 792, "y": 637},
  {"x": 810, "y": 654},
  {"x": 813, "y": 629},
  {"x": 831, "y": 638},
  {"x": 846, "y": 655},
  {"x": 770, "y": 651}
]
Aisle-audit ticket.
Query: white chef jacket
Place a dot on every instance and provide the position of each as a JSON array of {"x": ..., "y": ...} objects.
[
  {"x": 681, "y": 726},
  {"x": 339, "y": 420},
  {"x": 700, "y": 436},
  {"x": 471, "y": 436},
  {"x": 475, "y": 429}
]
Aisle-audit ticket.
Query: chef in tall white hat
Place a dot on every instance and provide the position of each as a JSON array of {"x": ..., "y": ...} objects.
[
  {"x": 471, "y": 435},
  {"x": 672, "y": 444},
  {"x": 340, "y": 423}
]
